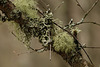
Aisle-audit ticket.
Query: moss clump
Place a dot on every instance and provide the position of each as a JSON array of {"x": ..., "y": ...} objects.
[{"x": 63, "y": 42}]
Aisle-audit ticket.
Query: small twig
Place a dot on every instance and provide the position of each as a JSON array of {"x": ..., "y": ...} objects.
[
  {"x": 70, "y": 22},
  {"x": 95, "y": 3},
  {"x": 84, "y": 46},
  {"x": 78, "y": 23},
  {"x": 86, "y": 14},
  {"x": 50, "y": 52},
  {"x": 37, "y": 50},
  {"x": 58, "y": 6},
  {"x": 78, "y": 4},
  {"x": 92, "y": 47},
  {"x": 40, "y": 12},
  {"x": 47, "y": 5}
]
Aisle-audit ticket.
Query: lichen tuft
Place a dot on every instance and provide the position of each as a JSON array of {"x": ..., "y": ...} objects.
[
  {"x": 27, "y": 7},
  {"x": 63, "y": 42}
]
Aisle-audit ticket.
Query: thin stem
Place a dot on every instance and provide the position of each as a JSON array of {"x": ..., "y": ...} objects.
[
  {"x": 92, "y": 47},
  {"x": 36, "y": 50},
  {"x": 58, "y": 6},
  {"x": 78, "y": 4},
  {"x": 95, "y": 3},
  {"x": 86, "y": 14},
  {"x": 40, "y": 12},
  {"x": 87, "y": 22},
  {"x": 50, "y": 52}
]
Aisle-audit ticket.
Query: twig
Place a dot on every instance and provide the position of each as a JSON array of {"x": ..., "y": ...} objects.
[
  {"x": 78, "y": 4},
  {"x": 86, "y": 14},
  {"x": 50, "y": 52},
  {"x": 78, "y": 23},
  {"x": 37, "y": 50},
  {"x": 44, "y": 5},
  {"x": 58, "y": 6},
  {"x": 40, "y": 12},
  {"x": 90, "y": 9},
  {"x": 92, "y": 47},
  {"x": 77, "y": 41}
]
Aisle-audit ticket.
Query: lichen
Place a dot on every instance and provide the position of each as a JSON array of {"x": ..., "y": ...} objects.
[
  {"x": 75, "y": 29},
  {"x": 27, "y": 7},
  {"x": 45, "y": 30},
  {"x": 63, "y": 42},
  {"x": 40, "y": 27},
  {"x": 28, "y": 28},
  {"x": 57, "y": 30}
]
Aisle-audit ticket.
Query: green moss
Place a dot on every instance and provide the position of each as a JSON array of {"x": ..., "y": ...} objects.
[{"x": 63, "y": 42}]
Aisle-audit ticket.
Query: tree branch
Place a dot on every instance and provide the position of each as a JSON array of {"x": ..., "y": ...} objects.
[
  {"x": 76, "y": 24},
  {"x": 94, "y": 4},
  {"x": 78, "y": 4},
  {"x": 86, "y": 14},
  {"x": 73, "y": 57}
]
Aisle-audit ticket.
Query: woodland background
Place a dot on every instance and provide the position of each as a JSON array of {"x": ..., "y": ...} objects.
[{"x": 90, "y": 35}]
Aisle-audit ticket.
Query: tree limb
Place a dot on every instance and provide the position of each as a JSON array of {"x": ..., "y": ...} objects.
[{"x": 74, "y": 58}]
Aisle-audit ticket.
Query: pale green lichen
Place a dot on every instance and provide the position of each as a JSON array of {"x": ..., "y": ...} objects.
[
  {"x": 27, "y": 7},
  {"x": 57, "y": 30},
  {"x": 42, "y": 28},
  {"x": 75, "y": 29},
  {"x": 63, "y": 42},
  {"x": 24, "y": 31}
]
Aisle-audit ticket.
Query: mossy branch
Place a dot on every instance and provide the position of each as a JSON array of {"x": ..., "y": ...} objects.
[{"x": 24, "y": 14}]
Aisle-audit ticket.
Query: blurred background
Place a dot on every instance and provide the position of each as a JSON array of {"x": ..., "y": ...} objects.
[{"x": 90, "y": 35}]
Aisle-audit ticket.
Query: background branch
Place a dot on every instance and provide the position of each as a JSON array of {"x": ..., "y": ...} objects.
[
  {"x": 86, "y": 23},
  {"x": 78, "y": 4},
  {"x": 94, "y": 4}
]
